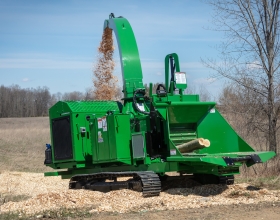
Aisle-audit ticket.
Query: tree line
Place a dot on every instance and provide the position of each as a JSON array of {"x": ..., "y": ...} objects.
[{"x": 33, "y": 102}]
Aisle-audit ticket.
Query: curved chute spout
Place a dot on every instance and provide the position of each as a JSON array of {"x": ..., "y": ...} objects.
[{"x": 129, "y": 55}]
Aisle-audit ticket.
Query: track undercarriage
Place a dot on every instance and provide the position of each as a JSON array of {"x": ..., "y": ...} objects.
[
  {"x": 146, "y": 182},
  {"x": 149, "y": 183}
]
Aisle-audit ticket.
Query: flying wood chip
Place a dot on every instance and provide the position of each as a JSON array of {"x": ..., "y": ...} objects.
[{"x": 105, "y": 83}]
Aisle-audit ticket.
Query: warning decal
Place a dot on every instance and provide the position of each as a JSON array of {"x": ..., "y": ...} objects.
[
  {"x": 104, "y": 124},
  {"x": 100, "y": 138},
  {"x": 99, "y": 120}
]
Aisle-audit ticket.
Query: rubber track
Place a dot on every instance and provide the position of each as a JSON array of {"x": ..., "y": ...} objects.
[
  {"x": 151, "y": 184},
  {"x": 229, "y": 180}
]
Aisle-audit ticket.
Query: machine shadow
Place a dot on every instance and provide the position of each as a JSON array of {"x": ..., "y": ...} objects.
[{"x": 187, "y": 185}]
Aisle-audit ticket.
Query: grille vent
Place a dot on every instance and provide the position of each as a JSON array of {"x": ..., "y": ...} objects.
[{"x": 62, "y": 140}]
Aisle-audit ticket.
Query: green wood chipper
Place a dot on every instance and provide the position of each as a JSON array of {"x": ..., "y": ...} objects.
[{"x": 144, "y": 137}]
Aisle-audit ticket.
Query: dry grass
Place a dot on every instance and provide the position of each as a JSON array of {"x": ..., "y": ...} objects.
[
  {"x": 22, "y": 144},
  {"x": 269, "y": 182}
]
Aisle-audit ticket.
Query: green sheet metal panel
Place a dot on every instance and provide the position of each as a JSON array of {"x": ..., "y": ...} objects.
[
  {"x": 266, "y": 155},
  {"x": 162, "y": 112},
  {"x": 93, "y": 106},
  {"x": 188, "y": 112},
  {"x": 220, "y": 134},
  {"x": 206, "y": 159},
  {"x": 59, "y": 109},
  {"x": 129, "y": 55},
  {"x": 111, "y": 143},
  {"x": 103, "y": 146},
  {"x": 123, "y": 137},
  {"x": 190, "y": 98},
  {"x": 106, "y": 152},
  {"x": 78, "y": 111},
  {"x": 94, "y": 139}
]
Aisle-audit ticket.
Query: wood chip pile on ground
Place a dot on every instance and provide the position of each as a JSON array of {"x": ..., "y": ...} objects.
[{"x": 50, "y": 193}]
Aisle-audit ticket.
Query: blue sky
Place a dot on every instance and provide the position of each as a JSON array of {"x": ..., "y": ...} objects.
[{"x": 54, "y": 43}]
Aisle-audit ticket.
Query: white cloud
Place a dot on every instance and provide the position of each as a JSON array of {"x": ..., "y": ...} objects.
[
  {"x": 47, "y": 61},
  {"x": 254, "y": 65},
  {"x": 191, "y": 65},
  {"x": 25, "y": 80},
  {"x": 204, "y": 80},
  {"x": 160, "y": 65},
  {"x": 159, "y": 74}
]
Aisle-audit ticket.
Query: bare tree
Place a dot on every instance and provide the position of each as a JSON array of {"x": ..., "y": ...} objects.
[
  {"x": 203, "y": 93},
  {"x": 250, "y": 55},
  {"x": 88, "y": 94},
  {"x": 55, "y": 98},
  {"x": 73, "y": 96},
  {"x": 241, "y": 108}
]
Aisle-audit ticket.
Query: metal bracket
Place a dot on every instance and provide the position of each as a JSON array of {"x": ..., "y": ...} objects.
[
  {"x": 229, "y": 161},
  {"x": 253, "y": 158},
  {"x": 256, "y": 158}
]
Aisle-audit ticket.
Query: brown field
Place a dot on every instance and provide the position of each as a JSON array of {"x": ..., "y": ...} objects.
[
  {"x": 25, "y": 193},
  {"x": 22, "y": 143}
]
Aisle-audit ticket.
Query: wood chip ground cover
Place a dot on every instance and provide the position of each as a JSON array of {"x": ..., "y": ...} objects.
[{"x": 51, "y": 193}]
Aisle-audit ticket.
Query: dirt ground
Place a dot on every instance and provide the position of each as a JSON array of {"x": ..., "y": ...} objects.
[{"x": 265, "y": 210}]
